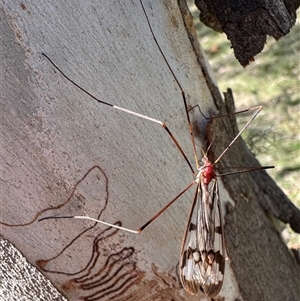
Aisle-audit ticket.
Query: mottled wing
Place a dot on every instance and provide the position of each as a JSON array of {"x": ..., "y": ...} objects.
[
  {"x": 202, "y": 257},
  {"x": 190, "y": 254}
]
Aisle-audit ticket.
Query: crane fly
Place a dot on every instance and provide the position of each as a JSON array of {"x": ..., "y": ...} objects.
[{"x": 203, "y": 251}]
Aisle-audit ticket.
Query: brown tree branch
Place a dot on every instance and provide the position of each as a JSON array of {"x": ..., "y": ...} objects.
[{"x": 248, "y": 23}]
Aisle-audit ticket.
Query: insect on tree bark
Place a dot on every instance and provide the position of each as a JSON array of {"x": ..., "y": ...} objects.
[
  {"x": 57, "y": 143},
  {"x": 202, "y": 256}
]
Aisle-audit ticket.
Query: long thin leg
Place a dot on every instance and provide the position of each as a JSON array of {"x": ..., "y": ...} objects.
[
  {"x": 122, "y": 228},
  {"x": 128, "y": 112},
  {"x": 244, "y": 170},
  {"x": 258, "y": 109},
  {"x": 179, "y": 85},
  {"x": 220, "y": 116}
]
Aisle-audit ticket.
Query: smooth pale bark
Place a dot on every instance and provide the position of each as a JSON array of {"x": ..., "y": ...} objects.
[{"x": 63, "y": 150}]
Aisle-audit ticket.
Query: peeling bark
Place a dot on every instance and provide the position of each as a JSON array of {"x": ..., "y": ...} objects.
[{"x": 248, "y": 23}]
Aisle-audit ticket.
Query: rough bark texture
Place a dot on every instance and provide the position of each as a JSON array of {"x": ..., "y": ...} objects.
[
  {"x": 264, "y": 266},
  {"x": 248, "y": 23},
  {"x": 65, "y": 154},
  {"x": 22, "y": 281}
]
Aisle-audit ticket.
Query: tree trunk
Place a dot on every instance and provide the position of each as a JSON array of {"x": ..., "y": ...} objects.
[{"x": 64, "y": 154}]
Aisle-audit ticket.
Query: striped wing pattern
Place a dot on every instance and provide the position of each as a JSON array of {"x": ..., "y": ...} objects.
[{"x": 202, "y": 256}]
